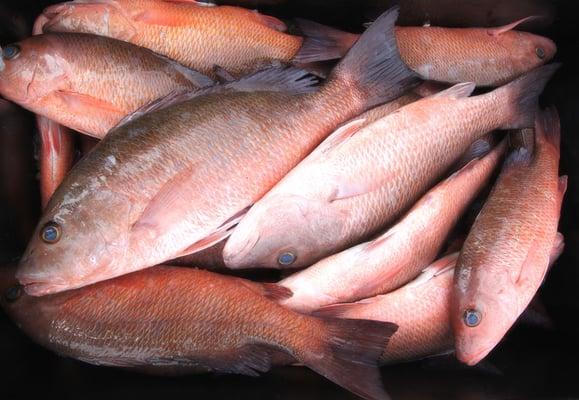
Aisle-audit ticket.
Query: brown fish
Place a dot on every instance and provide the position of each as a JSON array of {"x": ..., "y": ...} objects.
[
  {"x": 86, "y": 82},
  {"x": 198, "y": 35},
  {"x": 398, "y": 255},
  {"x": 359, "y": 180},
  {"x": 508, "y": 250},
  {"x": 205, "y": 161},
  {"x": 421, "y": 309},
  {"x": 170, "y": 319}
]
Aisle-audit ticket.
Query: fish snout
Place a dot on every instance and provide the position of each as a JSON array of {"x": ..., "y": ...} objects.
[
  {"x": 237, "y": 249},
  {"x": 545, "y": 49},
  {"x": 38, "y": 283}
]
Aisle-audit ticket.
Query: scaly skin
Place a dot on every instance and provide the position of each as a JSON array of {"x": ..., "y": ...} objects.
[
  {"x": 197, "y": 36},
  {"x": 398, "y": 255},
  {"x": 88, "y": 83},
  {"x": 506, "y": 255},
  {"x": 344, "y": 193}
]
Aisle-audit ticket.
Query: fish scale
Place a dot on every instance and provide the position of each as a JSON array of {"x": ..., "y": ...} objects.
[{"x": 348, "y": 191}]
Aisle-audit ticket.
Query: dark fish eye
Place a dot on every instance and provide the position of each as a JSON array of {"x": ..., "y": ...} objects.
[
  {"x": 286, "y": 258},
  {"x": 10, "y": 52},
  {"x": 13, "y": 293},
  {"x": 50, "y": 232},
  {"x": 540, "y": 52},
  {"x": 472, "y": 318}
]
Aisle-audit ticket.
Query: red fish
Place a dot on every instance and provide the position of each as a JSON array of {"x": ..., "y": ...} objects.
[
  {"x": 181, "y": 320},
  {"x": 508, "y": 250}
]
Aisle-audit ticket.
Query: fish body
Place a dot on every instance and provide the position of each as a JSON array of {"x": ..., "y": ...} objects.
[
  {"x": 398, "y": 255},
  {"x": 89, "y": 83},
  {"x": 421, "y": 309},
  {"x": 175, "y": 180},
  {"x": 181, "y": 320},
  {"x": 485, "y": 56},
  {"x": 510, "y": 246},
  {"x": 198, "y": 36},
  {"x": 360, "y": 180}
]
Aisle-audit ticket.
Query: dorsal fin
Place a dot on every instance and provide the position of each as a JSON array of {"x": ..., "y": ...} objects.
[{"x": 505, "y": 28}]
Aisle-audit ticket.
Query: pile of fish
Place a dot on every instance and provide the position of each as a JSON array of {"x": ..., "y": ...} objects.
[{"x": 226, "y": 144}]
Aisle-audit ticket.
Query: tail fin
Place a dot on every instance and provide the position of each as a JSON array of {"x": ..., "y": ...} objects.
[
  {"x": 322, "y": 43},
  {"x": 522, "y": 95},
  {"x": 374, "y": 66},
  {"x": 548, "y": 127},
  {"x": 351, "y": 352}
]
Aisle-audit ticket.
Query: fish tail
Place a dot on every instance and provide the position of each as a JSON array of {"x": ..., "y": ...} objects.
[
  {"x": 548, "y": 127},
  {"x": 373, "y": 66},
  {"x": 522, "y": 96},
  {"x": 351, "y": 350},
  {"x": 322, "y": 43}
]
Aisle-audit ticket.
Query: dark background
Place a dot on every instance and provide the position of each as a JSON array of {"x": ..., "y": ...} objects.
[{"x": 532, "y": 362}]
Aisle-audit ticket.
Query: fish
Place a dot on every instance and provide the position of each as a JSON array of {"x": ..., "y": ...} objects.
[
  {"x": 88, "y": 83},
  {"x": 198, "y": 36},
  {"x": 360, "y": 180},
  {"x": 421, "y": 309},
  {"x": 512, "y": 243},
  {"x": 205, "y": 161},
  {"x": 485, "y": 56},
  {"x": 398, "y": 255},
  {"x": 170, "y": 320},
  {"x": 56, "y": 156}
]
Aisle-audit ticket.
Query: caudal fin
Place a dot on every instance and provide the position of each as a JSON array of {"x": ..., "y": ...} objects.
[
  {"x": 373, "y": 65},
  {"x": 322, "y": 43},
  {"x": 350, "y": 353},
  {"x": 522, "y": 96}
]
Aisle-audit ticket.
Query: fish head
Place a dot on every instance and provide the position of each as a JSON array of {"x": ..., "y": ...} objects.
[
  {"x": 481, "y": 319},
  {"x": 30, "y": 70},
  {"x": 281, "y": 231},
  {"x": 529, "y": 51},
  {"x": 84, "y": 228},
  {"x": 95, "y": 17}
]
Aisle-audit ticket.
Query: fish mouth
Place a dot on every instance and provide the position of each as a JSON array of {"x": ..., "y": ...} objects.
[
  {"x": 472, "y": 359},
  {"x": 234, "y": 252},
  {"x": 35, "y": 286}
]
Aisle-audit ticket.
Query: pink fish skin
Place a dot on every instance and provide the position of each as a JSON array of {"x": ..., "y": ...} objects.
[
  {"x": 511, "y": 244},
  {"x": 143, "y": 196},
  {"x": 421, "y": 309},
  {"x": 398, "y": 255},
  {"x": 361, "y": 179}
]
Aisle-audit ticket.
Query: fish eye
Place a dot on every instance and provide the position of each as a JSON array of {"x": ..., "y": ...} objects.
[
  {"x": 10, "y": 52},
  {"x": 13, "y": 293},
  {"x": 286, "y": 258},
  {"x": 50, "y": 232},
  {"x": 540, "y": 52},
  {"x": 472, "y": 318}
]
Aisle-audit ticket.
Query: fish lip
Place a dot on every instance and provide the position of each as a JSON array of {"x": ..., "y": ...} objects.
[
  {"x": 38, "y": 289},
  {"x": 235, "y": 259},
  {"x": 474, "y": 358}
]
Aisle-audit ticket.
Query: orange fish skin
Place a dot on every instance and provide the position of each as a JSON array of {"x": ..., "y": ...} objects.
[
  {"x": 506, "y": 255},
  {"x": 421, "y": 309},
  {"x": 56, "y": 156},
  {"x": 143, "y": 196},
  {"x": 457, "y": 55},
  {"x": 398, "y": 255},
  {"x": 354, "y": 185},
  {"x": 88, "y": 83},
  {"x": 180, "y": 320},
  {"x": 200, "y": 37}
]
